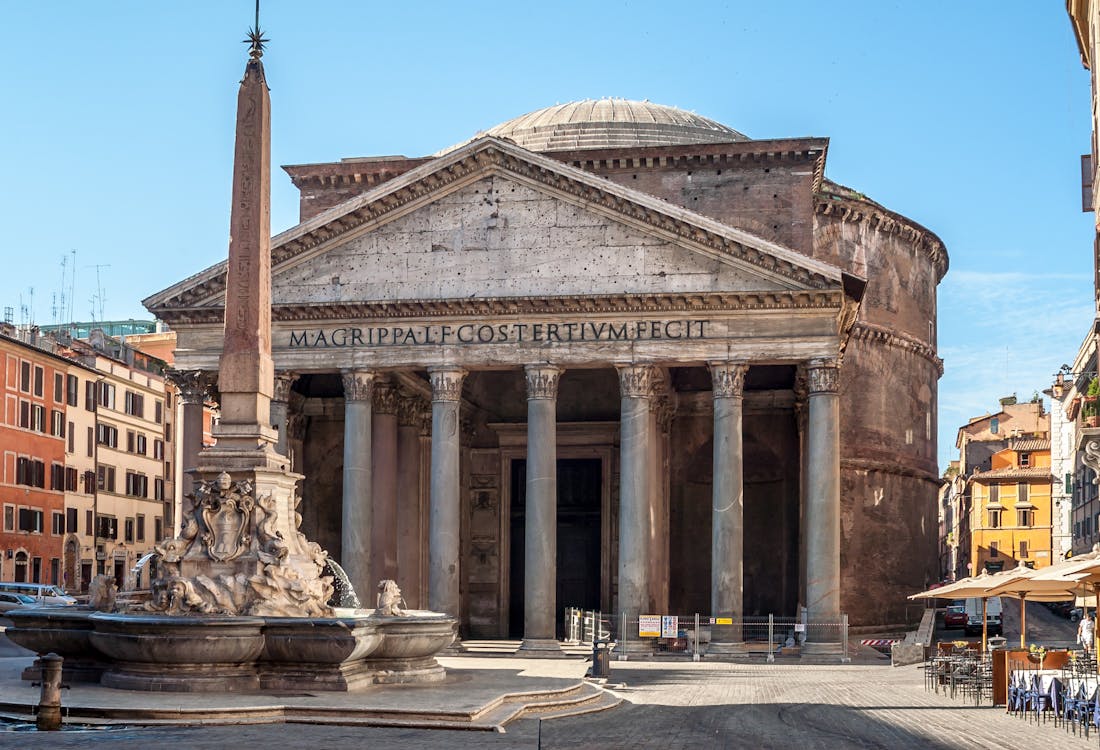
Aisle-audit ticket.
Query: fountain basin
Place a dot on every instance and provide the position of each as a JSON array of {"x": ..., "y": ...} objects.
[
  {"x": 64, "y": 631},
  {"x": 317, "y": 653},
  {"x": 179, "y": 654},
  {"x": 409, "y": 645},
  {"x": 196, "y": 653}
]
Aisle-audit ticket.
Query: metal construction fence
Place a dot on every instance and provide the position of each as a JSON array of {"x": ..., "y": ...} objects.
[
  {"x": 586, "y": 625},
  {"x": 696, "y": 636}
]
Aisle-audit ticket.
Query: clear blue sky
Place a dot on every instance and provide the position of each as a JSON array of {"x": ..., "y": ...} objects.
[{"x": 969, "y": 117}]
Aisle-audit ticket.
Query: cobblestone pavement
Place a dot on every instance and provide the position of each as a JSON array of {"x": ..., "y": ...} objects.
[{"x": 671, "y": 705}]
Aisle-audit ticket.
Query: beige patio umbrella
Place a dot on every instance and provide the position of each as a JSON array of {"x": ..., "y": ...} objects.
[
  {"x": 965, "y": 588},
  {"x": 1026, "y": 584},
  {"x": 1084, "y": 572}
]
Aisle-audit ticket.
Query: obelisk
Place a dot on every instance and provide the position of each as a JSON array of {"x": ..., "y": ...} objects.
[{"x": 245, "y": 371}]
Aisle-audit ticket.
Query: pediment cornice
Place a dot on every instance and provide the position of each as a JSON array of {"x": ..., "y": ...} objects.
[
  {"x": 490, "y": 156},
  {"x": 625, "y": 304}
]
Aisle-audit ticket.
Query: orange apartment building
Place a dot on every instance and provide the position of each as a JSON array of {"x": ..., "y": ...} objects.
[
  {"x": 1010, "y": 511},
  {"x": 39, "y": 389}
]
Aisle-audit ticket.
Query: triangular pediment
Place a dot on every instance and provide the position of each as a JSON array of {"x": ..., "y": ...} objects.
[{"x": 492, "y": 220}]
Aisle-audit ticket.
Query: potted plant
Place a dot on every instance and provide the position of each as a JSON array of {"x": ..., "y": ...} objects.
[
  {"x": 1036, "y": 654},
  {"x": 1089, "y": 409}
]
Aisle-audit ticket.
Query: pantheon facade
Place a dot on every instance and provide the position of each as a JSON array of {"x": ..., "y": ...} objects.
[{"x": 610, "y": 355}]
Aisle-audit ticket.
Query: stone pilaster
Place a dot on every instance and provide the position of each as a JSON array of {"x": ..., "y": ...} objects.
[
  {"x": 728, "y": 505},
  {"x": 355, "y": 540},
  {"x": 541, "y": 532},
  {"x": 444, "y": 521},
  {"x": 822, "y": 503}
]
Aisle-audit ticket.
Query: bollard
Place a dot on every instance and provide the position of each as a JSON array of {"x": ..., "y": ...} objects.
[
  {"x": 771, "y": 638},
  {"x": 695, "y": 655},
  {"x": 601, "y": 658},
  {"x": 49, "y": 704}
]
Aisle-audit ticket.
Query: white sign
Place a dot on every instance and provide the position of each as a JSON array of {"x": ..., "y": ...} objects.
[
  {"x": 800, "y": 627},
  {"x": 670, "y": 626},
  {"x": 649, "y": 626}
]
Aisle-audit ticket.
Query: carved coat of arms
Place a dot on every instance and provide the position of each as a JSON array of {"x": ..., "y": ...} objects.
[{"x": 226, "y": 513}]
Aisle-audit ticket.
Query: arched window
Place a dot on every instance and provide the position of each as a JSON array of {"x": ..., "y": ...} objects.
[{"x": 20, "y": 567}]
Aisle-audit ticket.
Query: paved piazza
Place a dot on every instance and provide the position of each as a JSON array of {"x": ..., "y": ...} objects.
[{"x": 674, "y": 705}]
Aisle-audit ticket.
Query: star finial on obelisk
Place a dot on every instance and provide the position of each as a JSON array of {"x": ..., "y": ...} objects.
[{"x": 256, "y": 37}]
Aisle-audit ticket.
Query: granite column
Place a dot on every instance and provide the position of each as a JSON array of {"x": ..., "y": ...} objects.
[
  {"x": 280, "y": 403},
  {"x": 355, "y": 540},
  {"x": 384, "y": 482},
  {"x": 822, "y": 512},
  {"x": 409, "y": 417},
  {"x": 444, "y": 521},
  {"x": 635, "y": 520},
  {"x": 727, "y": 506},
  {"x": 541, "y": 532}
]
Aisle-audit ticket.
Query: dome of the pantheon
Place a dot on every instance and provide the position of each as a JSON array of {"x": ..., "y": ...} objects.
[{"x": 611, "y": 123}]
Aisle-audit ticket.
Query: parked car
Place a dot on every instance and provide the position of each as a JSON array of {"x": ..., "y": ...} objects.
[
  {"x": 1063, "y": 609},
  {"x": 14, "y": 601},
  {"x": 42, "y": 593},
  {"x": 954, "y": 616}
]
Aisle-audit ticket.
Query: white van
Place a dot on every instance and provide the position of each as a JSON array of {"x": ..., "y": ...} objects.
[
  {"x": 992, "y": 616},
  {"x": 42, "y": 593}
]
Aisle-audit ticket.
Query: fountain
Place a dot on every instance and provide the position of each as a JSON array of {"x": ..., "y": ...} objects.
[
  {"x": 241, "y": 601},
  {"x": 133, "y": 580}
]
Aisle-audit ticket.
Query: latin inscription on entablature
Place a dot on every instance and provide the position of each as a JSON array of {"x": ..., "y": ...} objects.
[{"x": 484, "y": 333}]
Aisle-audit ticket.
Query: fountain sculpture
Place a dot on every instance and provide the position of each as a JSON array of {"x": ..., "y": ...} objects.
[{"x": 240, "y": 601}]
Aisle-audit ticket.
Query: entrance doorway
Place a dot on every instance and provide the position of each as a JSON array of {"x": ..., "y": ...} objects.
[{"x": 578, "y": 563}]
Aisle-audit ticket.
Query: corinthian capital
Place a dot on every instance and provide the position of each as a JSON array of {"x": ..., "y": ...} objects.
[
  {"x": 284, "y": 381},
  {"x": 636, "y": 381},
  {"x": 447, "y": 383},
  {"x": 358, "y": 385},
  {"x": 542, "y": 381},
  {"x": 385, "y": 398},
  {"x": 410, "y": 411},
  {"x": 192, "y": 385},
  {"x": 728, "y": 379},
  {"x": 823, "y": 376}
]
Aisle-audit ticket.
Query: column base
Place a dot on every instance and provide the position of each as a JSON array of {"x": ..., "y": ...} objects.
[
  {"x": 539, "y": 647},
  {"x": 726, "y": 648},
  {"x": 626, "y": 649},
  {"x": 825, "y": 649}
]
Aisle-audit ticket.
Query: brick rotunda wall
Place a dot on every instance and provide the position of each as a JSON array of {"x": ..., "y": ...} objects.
[{"x": 888, "y": 406}]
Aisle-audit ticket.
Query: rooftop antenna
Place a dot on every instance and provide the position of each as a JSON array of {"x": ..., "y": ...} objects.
[
  {"x": 72, "y": 291},
  {"x": 26, "y": 309},
  {"x": 99, "y": 297},
  {"x": 59, "y": 307}
]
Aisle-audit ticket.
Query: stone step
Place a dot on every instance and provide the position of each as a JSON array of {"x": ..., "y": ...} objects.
[{"x": 571, "y": 700}]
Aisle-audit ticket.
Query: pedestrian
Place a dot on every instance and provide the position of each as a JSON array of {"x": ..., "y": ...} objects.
[{"x": 1086, "y": 632}]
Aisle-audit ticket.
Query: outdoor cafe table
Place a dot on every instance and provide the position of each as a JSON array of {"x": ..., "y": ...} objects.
[
  {"x": 1005, "y": 660},
  {"x": 1053, "y": 683},
  {"x": 1049, "y": 682}
]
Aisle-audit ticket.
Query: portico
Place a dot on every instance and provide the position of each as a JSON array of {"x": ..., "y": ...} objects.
[{"x": 530, "y": 319}]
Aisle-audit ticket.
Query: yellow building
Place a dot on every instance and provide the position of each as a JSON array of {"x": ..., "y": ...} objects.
[
  {"x": 1010, "y": 510},
  {"x": 132, "y": 458}
]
